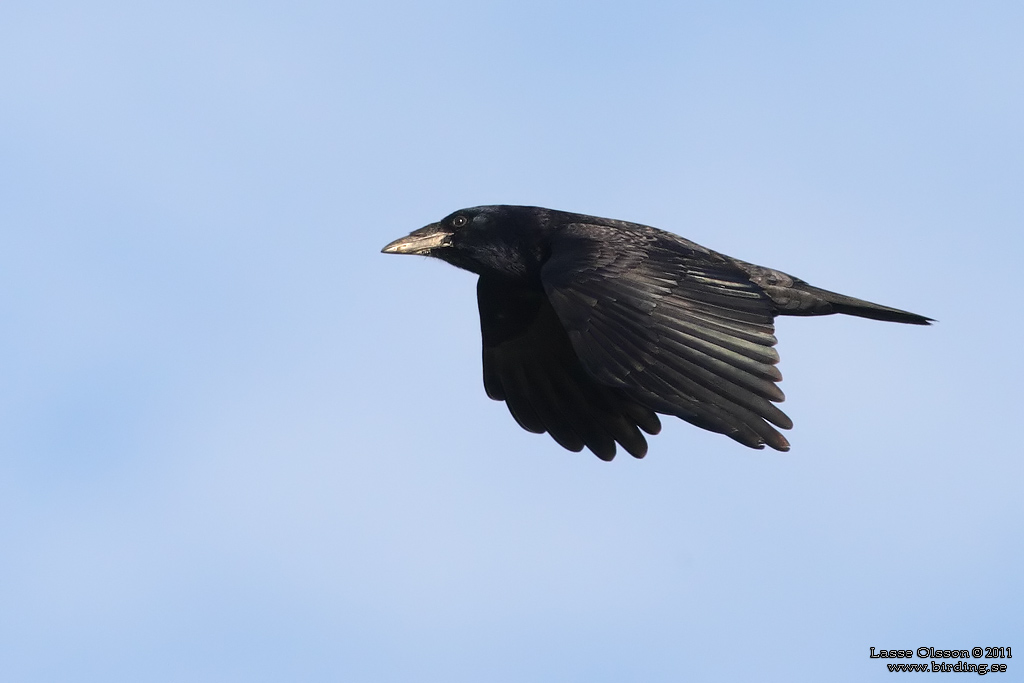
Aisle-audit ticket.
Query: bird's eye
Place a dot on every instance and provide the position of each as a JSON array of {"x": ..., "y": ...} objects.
[{"x": 459, "y": 221}]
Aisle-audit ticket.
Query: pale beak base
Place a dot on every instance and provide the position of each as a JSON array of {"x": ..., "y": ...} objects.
[{"x": 421, "y": 241}]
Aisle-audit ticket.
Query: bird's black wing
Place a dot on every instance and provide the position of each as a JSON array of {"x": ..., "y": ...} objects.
[
  {"x": 674, "y": 325},
  {"x": 530, "y": 364}
]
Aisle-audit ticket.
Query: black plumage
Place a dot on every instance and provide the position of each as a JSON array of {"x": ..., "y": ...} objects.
[{"x": 592, "y": 326}]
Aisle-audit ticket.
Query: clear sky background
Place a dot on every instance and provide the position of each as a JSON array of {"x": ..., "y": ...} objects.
[{"x": 237, "y": 443}]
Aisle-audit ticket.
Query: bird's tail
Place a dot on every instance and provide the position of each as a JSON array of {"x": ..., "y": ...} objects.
[
  {"x": 830, "y": 302},
  {"x": 793, "y": 296}
]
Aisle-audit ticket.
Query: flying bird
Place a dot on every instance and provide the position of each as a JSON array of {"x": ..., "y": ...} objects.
[{"x": 592, "y": 327}]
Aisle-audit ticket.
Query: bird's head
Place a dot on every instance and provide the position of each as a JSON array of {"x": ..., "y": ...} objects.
[{"x": 493, "y": 240}]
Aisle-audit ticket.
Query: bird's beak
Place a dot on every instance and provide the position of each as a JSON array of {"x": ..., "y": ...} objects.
[{"x": 420, "y": 241}]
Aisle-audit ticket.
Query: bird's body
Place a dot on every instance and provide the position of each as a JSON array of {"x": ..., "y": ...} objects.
[{"x": 592, "y": 326}]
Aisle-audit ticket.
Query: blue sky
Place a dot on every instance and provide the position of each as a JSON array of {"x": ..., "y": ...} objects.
[{"x": 237, "y": 443}]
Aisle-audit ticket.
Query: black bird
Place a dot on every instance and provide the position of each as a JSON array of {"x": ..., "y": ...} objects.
[{"x": 593, "y": 326}]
